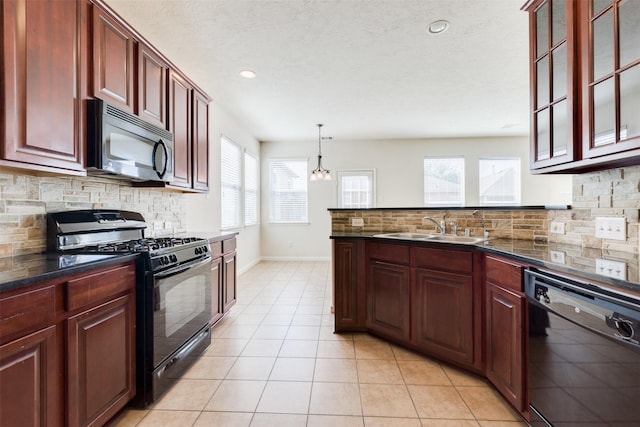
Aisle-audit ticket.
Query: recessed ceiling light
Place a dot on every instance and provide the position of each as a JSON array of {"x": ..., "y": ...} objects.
[
  {"x": 248, "y": 74},
  {"x": 439, "y": 26}
]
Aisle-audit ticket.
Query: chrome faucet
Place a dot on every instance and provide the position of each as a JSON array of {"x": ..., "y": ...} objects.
[{"x": 442, "y": 225}]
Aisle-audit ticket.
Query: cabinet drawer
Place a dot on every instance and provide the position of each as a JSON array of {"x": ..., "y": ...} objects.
[
  {"x": 216, "y": 249},
  {"x": 397, "y": 254},
  {"x": 228, "y": 245},
  {"x": 443, "y": 259},
  {"x": 503, "y": 272},
  {"x": 26, "y": 312},
  {"x": 100, "y": 285}
]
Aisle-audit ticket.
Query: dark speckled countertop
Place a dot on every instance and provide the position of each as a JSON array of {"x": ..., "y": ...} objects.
[{"x": 560, "y": 258}]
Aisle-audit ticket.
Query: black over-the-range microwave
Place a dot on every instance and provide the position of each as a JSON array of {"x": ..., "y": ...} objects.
[{"x": 125, "y": 146}]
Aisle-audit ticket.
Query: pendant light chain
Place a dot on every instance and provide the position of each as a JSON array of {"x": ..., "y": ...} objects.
[{"x": 320, "y": 173}]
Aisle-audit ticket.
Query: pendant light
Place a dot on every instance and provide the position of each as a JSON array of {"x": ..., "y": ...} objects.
[{"x": 320, "y": 173}]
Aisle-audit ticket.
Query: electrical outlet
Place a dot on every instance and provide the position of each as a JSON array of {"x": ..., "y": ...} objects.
[
  {"x": 557, "y": 227},
  {"x": 557, "y": 257},
  {"x": 615, "y": 269},
  {"x": 357, "y": 222},
  {"x": 610, "y": 227}
]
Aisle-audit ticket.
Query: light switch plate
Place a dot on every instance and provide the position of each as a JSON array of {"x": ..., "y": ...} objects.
[
  {"x": 615, "y": 269},
  {"x": 610, "y": 227},
  {"x": 357, "y": 222},
  {"x": 558, "y": 257},
  {"x": 557, "y": 227}
]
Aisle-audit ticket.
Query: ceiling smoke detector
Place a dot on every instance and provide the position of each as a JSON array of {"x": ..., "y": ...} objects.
[
  {"x": 248, "y": 74},
  {"x": 439, "y": 26}
]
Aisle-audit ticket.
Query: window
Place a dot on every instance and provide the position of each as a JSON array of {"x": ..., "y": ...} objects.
[
  {"x": 288, "y": 186},
  {"x": 230, "y": 183},
  {"x": 499, "y": 181},
  {"x": 250, "y": 189},
  {"x": 356, "y": 189},
  {"x": 444, "y": 181}
]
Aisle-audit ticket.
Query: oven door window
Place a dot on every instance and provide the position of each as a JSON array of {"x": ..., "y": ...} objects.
[{"x": 181, "y": 307}]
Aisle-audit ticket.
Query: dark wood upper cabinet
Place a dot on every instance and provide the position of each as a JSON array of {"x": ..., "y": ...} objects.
[
  {"x": 43, "y": 46},
  {"x": 113, "y": 60},
  {"x": 200, "y": 141},
  {"x": 152, "y": 86},
  {"x": 180, "y": 125},
  {"x": 585, "y": 84}
]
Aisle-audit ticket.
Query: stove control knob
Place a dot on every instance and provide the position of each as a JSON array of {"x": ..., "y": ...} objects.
[
  {"x": 205, "y": 249},
  {"x": 174, "y": 258},
  {"x": 198, "y": 251}
]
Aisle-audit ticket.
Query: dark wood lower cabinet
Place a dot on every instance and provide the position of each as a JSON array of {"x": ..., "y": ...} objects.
[
  {"x": 229, "y": 281},
  {"x": 100, "y": 362},
  {"x": 349, "y": 285},
  {"x": 29, "y": 380},
  {"x": 216, "y": 290},
  {"x": 442, "y": 315},
  {"x": 388, "y": 299}
]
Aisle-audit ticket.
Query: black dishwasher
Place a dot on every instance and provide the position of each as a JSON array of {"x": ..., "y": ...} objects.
[{"x": 584, "y": 353}]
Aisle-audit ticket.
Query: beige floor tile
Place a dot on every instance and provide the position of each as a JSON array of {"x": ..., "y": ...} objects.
[
  {"x": 271, "y": 332},
  {"x": 450, "y": 423},
  {"x": 300, "y": 332},
  {"x": 251, "y": 368},
  {"x": 257, "y": 308},
  {"x": 425, "y": 372},
  {"x": 503, "y": 423},
  {"x": 373, "y": 350},
  {"x": 460, "y": 377},
  {"x": 377, "y": 371},
  {"x": 278, "y": 319},
  {"x": 288, "y": 301},
  {"x": 248, "y": 319},
  {"x": 278, "y": 420},
  {"x": 307, "y": 320},
  {"x": 262, "y": 348},
  {"x": 237, "y": 331},
  {"x": 310, "y": 309},
  {"x": 299, "y": 348},
  {"x": 293, "y": 369},
  {"x": 439, "y": 402},
  {"x": 336, "y": 349},
  {"x": 236, "y": 396},
  {"x": 406, "y": 354},
  {"x": 335, "y": 399},
  {"x": 159, "y": 418},
  {"x": 226, "y": 346},
  {"x": 486, "y": 404},
  {"x": 210, "y": 368},
  {"x": 334, "y": 421},
  {"x": 224, "y": 419},
  {"x": 283, "y": 309},
  {"x": 188, "y": 394},
  {"x": 285, "y": 397},
  {"x": 386, "y": 400},
  {"x": 328, "y": 333},
  {"x": 391, "y": 422},
  {"x": 129, "y": 418},
  {"x": 336, "y": 370}
]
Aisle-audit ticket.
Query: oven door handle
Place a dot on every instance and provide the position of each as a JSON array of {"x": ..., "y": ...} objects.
[{"x": 182, "y": 269}]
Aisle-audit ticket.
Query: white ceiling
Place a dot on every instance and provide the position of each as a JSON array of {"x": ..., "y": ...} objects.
[{"x": 367, "y": 69}]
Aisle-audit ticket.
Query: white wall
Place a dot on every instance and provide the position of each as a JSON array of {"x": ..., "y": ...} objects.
[
  {"x": 203, "y": 210},
  {"x": 399, "y": 176}
]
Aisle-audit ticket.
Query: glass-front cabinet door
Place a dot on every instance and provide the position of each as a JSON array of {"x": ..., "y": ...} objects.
[
  {"x": 553, "y": 82},
  {"x": 610, "y": 33}
]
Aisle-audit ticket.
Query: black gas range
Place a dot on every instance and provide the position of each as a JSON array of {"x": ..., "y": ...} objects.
[{"x": 173, "y": 289}]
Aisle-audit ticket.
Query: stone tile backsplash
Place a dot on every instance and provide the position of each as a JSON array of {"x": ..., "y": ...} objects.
[{"x": 25, "y": 200}]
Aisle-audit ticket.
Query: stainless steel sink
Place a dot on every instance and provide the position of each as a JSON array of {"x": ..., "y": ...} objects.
[{"x": 426, "y": 237}]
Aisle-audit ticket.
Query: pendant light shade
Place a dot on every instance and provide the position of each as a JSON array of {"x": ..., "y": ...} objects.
[{"x": 320, "y": 173}]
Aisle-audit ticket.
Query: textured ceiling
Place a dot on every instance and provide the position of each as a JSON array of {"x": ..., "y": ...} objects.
[{"x": 367, "y": 69}]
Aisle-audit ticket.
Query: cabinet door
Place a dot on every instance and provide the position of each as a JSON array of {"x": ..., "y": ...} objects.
[
  {"x": 180, "y": 126},
  {"x": 152, "y": 86},
  {"x": 442, "y": 315},
  {"x": 42, "y": 90},
  {"x": 29, "y": 380},
  {"x": 554, "y": 83},
  {"x": 349, "y": 285},
  {"x": 216, "y": 290},
  {"x": 113, "y": 66},
  {"x": 388, "y": 298},
  {"x": 229, "y": 281},
  {"x": 505, "y": 344},
  {"x": 200, "y": 142},
  {"x": 100, "y": 361},
  {"x": 610, "y": 35}
]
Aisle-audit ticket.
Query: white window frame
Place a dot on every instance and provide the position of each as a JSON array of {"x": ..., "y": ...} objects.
[
  {"x": 431, "y": 203},
  {"x": 301, "y": 180},
  {"x": 230, "y": 185},
  {"x": 369, "y": 173},
  {"x": 251, "y": 187},
  {"x": 517, "y": 199}
]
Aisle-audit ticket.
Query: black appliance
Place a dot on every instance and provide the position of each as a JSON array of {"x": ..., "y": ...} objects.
[
  {"x": 173, "y": 289},
  {"x": 584, "y": 352},
  {"x": 123, "y": 145}
]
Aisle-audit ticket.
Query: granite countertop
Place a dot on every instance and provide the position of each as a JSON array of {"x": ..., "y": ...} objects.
[{"x": 561, "y": 258}]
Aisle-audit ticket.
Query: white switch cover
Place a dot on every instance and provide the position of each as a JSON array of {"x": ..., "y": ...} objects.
[
  {"x": 610, "y": 227},
  {"x": 615, "y": 269},
  {"x": 357, "y": 222},
  {"x": 557, "y": 227}
]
